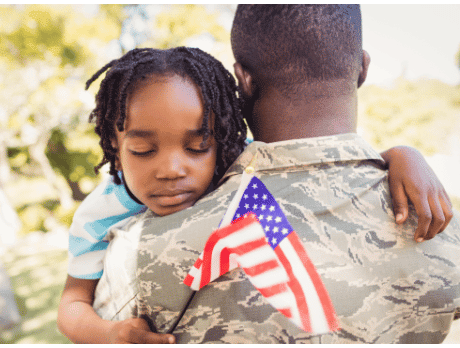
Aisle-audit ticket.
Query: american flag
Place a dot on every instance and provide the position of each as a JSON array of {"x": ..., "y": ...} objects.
[{"x": 263, "y": 243}]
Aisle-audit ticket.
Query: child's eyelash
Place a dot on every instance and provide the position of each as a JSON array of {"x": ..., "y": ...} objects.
[
  {"x": 141, "y": 154},
  {"x": 198, "y": 150}
]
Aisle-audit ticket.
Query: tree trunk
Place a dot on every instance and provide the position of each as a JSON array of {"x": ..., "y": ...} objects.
[{"x": 37, "y": 152}]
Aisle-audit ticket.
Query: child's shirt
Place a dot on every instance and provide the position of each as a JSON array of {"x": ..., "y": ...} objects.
[{"x": 107, "y": 205}]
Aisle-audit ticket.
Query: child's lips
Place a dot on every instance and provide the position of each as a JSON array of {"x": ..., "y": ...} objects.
[{"x": 171, "y": 198}]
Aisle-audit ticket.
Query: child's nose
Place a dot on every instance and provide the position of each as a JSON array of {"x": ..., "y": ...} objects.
[{"x": 171, "y": 167}]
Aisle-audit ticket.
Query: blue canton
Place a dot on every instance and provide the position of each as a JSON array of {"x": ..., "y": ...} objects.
[{"x": 257, "y": 199}]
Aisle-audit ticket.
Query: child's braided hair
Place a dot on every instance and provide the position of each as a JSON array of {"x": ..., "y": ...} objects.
[{"x": 218, "y": 89}]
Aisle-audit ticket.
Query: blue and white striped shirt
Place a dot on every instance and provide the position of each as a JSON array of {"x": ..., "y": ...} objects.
[{"x": 107, "y": 205}]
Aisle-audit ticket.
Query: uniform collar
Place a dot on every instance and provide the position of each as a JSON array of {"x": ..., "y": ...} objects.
[{"x": 292, "y": 155}]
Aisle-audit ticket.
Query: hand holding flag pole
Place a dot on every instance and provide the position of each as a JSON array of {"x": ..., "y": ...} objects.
[{"x": 256, "y": 235}]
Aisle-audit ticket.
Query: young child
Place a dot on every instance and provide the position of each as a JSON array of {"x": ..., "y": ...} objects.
[{"x": 170, "y": 125}]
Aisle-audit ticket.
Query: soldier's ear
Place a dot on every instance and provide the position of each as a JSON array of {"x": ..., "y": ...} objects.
[
  {"x": 245, "y": 80},
  {"x": 364, "y": 68}
]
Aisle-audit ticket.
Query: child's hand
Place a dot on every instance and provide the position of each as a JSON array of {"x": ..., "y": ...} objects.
[
  {"x": 410, "y": 177},
  {"x": 136, "y": 330}
]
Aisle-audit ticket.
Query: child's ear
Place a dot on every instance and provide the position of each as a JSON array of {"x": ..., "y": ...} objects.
[{"x": 245, "y": 80}]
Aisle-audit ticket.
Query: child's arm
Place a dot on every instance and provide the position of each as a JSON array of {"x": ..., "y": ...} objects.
[
  {"x": 80, "y": 323},
  {"x": 410, "y": 177}
]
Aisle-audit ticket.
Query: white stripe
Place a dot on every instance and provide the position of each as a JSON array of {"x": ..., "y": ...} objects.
[
  {"x": 318, "y": 319},
  {"x": 248, "y": 234},
  {"x": 89, "y": 263},
  {"x": 269, "y": 278},
  {"x": 257, "y": 256}
]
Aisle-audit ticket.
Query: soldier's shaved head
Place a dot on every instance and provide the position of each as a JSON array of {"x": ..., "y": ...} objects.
[{"x": 286, "y": 45}]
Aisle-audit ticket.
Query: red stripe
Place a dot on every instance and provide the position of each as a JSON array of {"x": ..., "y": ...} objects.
[
  {"x": 285, "y": 311},
  {"x": 323, "y": 295},
  {"x": 224, "y": 261},
  {"x": 198, "y": 263},
  {"x": 294, "y": 284},
  {"x": 249, "y": 246},
  {"x": 188, "y": 280},
  {"x": 273, "y": 290},
  {"x": 261, "y": 268},
  {"x": 214, "y": 239}
]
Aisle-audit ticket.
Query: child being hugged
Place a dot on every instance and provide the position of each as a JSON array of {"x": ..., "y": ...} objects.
[{"x": 170, "y": 125}]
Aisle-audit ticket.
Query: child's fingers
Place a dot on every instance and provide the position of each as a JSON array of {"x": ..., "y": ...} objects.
[
  {"x": 136, "y": 330},
  {"x": 446, "y": 206},
  {"x": 399, "y": 200},
  {"x": 147, "y": 337}
]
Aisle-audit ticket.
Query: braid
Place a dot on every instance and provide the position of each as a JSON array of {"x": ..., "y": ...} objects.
[{"x": 218, "y": 89}]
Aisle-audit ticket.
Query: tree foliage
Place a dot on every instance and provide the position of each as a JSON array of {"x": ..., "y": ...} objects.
[
  {"x": 423, "y": 114},
  {"x": 47, "y": 148}
]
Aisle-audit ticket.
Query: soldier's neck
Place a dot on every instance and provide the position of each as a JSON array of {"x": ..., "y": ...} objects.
[{"x": 321, "y": 112}]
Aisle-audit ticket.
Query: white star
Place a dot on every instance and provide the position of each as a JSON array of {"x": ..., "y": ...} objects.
[
  {"x": 261, "y": 217},
  {"x": 263, "y": 207},
  {"x": 269, "y": 218},
  {"x": 255, "y": 196},
  {"x": 278, "y": 219},
  {"x": 275, "y": 229},
  {"x": 274, "y": 241},
  {"x": 272, "y": 208},
  {"x": 264, "y": 197},
  {"x": 245, "y": 196},
  {"x": 284, "y": 231},
  {"x": 267, "y": 228},
  {"x": 254, "y": 186},
  {"x": 246, "y": 206},
  {"x": 238, "y": 215},
  {"x": 254, "y": 206}
]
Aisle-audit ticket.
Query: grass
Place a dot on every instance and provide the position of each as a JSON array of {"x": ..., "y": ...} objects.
[{"x": 37, "y": 274}]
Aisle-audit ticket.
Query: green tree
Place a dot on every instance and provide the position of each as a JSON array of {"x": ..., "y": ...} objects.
[
  {"x": 47, "y": 52},
  {"x": 47, "y": 148}
]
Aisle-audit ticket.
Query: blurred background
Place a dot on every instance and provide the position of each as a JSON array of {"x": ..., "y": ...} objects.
[{"x": 48, "y": 149}]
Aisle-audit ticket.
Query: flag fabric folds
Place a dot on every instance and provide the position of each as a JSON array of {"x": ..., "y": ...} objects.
[{"x": 262, "y": 242}]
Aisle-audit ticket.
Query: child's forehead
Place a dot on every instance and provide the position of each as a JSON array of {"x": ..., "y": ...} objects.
[{"x": 170, "y": 100}]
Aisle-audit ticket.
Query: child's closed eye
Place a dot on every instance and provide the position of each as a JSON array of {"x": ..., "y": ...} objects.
[
  {"x": 198, "y": 151},
  {"x": 142, "y": 153}
]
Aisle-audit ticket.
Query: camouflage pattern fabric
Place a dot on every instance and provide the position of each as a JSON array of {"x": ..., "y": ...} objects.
[{"x": 385, "y": 287}]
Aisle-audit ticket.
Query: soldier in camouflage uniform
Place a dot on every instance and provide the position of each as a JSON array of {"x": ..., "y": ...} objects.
[{"x": 333, "y": 188}]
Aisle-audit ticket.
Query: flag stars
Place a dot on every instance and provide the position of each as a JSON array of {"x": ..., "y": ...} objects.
[
  {"x": 261, "y": 217},
  {"x": 272, "y": 208},
  {"x": 246, "y": 206},
  {"x": 254, "y": 186},
  {"x": 275, "y": 229},
  {"x": 267, "y": 228},
  {"x": 254, "y": 206},
  {"x": 269, "y": 218},
  {"x": 245, "y": 196},
  {"x": 264, "y": 197},
  {"x": 263, "y": 207},
  {"x": 278, "y": 219},
  {"x": 274, "y": 241},
  {"x": 255, "y": 196},
  {"x": 284, "y": 231}
]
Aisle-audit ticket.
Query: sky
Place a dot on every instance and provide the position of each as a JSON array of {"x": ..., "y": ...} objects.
[{"x": 418, "y": 41}]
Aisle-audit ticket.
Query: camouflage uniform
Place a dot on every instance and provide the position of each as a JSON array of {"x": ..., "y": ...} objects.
[{"x": 385, "y": 287}]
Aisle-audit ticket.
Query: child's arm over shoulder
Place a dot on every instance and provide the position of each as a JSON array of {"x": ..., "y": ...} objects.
[{"x": 80, "y": 323}]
